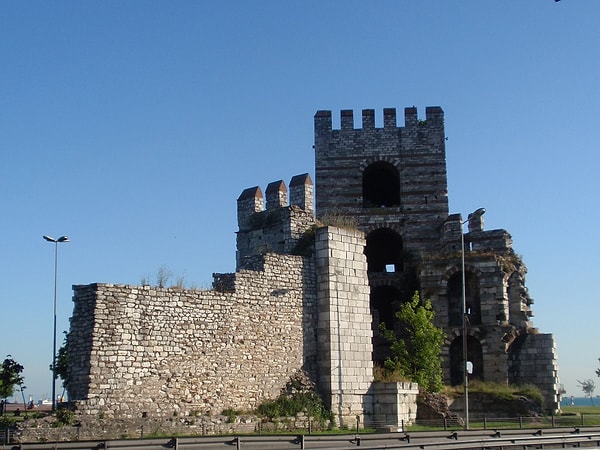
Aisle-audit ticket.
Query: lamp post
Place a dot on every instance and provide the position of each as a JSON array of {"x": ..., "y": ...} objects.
[
  {"x": 56, "y": 242},
  {"x": 477, "y": 213}
]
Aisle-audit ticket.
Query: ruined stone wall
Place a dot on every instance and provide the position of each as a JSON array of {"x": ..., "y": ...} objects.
[
  {"x": 169, "y": 351},
  {"x": 162, "y": 352},
  {"x": 534, "y": 361},
  {"x": 503, "y": 345}
]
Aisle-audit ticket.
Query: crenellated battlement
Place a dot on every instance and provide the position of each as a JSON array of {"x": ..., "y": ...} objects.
[
  {"x": 434, "y": 117},
  {"x": 278, "y": 227},
  {"x": 252, "y": 201}
]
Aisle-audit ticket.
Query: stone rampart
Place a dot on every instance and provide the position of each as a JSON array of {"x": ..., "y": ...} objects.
[{"x": 166, "y": 352}]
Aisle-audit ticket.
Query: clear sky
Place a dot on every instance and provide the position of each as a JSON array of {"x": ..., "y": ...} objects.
[{"x": 132, "y": 127}]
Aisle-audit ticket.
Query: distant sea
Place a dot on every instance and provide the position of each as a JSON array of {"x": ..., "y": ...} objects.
[{"x": 580, "y": 401}]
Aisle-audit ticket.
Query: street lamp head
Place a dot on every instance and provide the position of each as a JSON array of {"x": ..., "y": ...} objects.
[
  {"x": 478, "y": 212},
  {"x": 60, "y": 239}
]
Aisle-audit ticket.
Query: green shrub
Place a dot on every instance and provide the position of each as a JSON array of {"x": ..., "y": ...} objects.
[
  {"x": 6, "y": 421},
  {"x": 64, "y": 416},
  {"x": 231, "y": 414},
  {"x": 291, "y": 405}
]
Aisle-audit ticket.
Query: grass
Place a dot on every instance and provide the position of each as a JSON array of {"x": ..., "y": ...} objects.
[
  {"x": 499, "y": 390},
  {"x": 578, "y": 410}
]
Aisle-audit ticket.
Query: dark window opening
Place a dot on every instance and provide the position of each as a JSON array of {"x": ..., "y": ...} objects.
[
  {"x": 381, "y": 186},
  {"x": 455, "y": 300},
  {"x": 457, "y": 365},
  {"x": 384, "y": 301},
  {"x": 384, "y": 251}
]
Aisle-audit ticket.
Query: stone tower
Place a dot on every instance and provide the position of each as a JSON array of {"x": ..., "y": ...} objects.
[{"x": 392, "y": 181}]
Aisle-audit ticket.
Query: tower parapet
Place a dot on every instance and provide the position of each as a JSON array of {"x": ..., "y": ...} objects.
[{"x": 278, "y": 228}]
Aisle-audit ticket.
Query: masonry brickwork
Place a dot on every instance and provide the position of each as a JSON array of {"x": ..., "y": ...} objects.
[
  {"x": 163, "y": 351},
  {"x": 393, "y": 181},
  {"x": 308, "y": 297}
]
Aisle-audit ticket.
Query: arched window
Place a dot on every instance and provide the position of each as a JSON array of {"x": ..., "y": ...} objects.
[
  {"x": 455, "y": 300},
  {"x": 384, "y": 251},
  {"x": 474, "y": 355},
  {"x": 381, "y": 185}
]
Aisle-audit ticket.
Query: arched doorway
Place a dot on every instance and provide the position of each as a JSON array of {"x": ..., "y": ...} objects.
[{"x": 474, "y": 355}]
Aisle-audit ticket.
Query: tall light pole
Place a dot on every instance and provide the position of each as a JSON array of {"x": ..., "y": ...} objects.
[
  {"x": 476, "y": 214},
  {"x": 56, "y": 242}
]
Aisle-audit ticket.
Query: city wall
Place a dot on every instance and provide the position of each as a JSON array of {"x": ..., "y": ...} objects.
[{"x": 143, "y": 350}]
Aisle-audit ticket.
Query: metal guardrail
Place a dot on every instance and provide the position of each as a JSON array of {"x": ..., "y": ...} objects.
[{"x": 441, "y": 440}]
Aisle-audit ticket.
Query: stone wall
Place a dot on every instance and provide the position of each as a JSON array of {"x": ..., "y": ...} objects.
[
  {"x": 534, "y": 361},
  {"x": 162, "y": 352}
]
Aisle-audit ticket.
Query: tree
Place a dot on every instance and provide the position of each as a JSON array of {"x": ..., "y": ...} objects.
[
  {"x": 62, "y": 363},
  {"x": 10, "y": 375},
  {"x": 416, "y": 352},
  {"x": 588, "y": 386},
  {"x": 598, "y": 370}
]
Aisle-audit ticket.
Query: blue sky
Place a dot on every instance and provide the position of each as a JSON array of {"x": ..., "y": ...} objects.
[{"x": 132, "y": 127}]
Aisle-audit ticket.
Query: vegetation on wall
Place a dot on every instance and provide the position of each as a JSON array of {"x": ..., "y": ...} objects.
[
  {"x": 339, "y": 220},
  {"x": 297, "y": 397}
]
